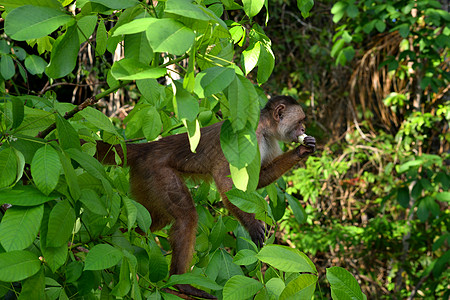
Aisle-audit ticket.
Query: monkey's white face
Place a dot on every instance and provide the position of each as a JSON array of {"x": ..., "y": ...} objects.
[{"x": 291, "y": 125}]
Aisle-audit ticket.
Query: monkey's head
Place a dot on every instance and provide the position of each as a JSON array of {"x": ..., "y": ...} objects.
[{"x": 287, "y": 118}]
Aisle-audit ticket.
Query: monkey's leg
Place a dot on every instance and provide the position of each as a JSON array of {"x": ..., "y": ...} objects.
[
  {"x": 180, "y": 206},
  {"x": 255, "y": 228}
]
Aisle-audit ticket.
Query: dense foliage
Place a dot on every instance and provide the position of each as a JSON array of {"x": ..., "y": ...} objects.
[{"x": 372, "y": 75}]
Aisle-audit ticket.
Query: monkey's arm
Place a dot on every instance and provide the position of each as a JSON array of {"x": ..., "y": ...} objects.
[
  {"x": 283, "y": 163},
  {"x": 276, "y": 168}
]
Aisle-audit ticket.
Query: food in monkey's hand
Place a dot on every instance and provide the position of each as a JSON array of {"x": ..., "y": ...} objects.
[{"x": 301, "y": 138}]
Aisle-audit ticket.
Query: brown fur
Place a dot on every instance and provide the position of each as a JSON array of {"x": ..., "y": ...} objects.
[{"x": 157, "y": 170}]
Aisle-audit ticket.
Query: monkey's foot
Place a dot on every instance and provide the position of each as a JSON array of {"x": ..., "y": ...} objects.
[{"x": 192, "y": 291}]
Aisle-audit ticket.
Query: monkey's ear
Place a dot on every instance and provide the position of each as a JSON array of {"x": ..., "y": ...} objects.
[{"x": 278, "y": 112}]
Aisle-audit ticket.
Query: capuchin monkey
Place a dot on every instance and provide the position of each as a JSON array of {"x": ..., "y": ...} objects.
[{"x": 157, "y": 170}]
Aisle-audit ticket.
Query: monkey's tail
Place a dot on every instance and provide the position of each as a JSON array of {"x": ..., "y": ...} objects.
[{"x": 106, "y": 154}]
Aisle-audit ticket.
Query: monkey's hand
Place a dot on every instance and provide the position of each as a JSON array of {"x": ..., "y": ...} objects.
[
  {"x": 308, "y": 146},
  {"x": 257, "y": 233}
]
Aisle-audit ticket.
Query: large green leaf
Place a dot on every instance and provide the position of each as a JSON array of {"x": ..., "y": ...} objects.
[
  {"x": 64, "y": 53},
  {"x": 239, "y": 98},
  {"x": 70, "y": 175},
  {"x": 286, "y": 259},
  {"x": 302, "y": 287},
  {"x": 68, "y": 136},
  {"x": 26, "y": 195},
  {"x": 168, "y": 35},
  {"x": 187, "y": 106},
  {"x": 18, "y": 265},
  {"x": 137, "y": 47},
  {"x": 98, "y": 119},
  {"x": 102, "y": 256},
  {"x": 250, "y": 202},
  {"x": 250, "y": 56},
  {"x": 18, "y": 111},
  {"x": 186, "y": 8},
  {"x": 35, "y": 64},
  {"x": 298, "y": 210},
  {"x": 45, "y": 169},
  {"x": 8, "y": 165},
  {"x": 133, "y": 69},
  {"x": 240, "y": 287},
  {"x": 20, "y": 226},
  {"x": 16, "y": 3},
  {"x": 7, "y": 68},
  {"x": 135, "y": 26},
  {"x": 252, "y": 7},
  {"x": 32, "y": 22},
  {"x": 60, "y": 224},
  {"x": 213, "y": 80},
  {"x": 143, "y": 218},
  {"x": 151, "y": 123},
  {"x": 343, "y": 284},
  {"x": 266, "y": 63},
  {"x": 240, "y": 147},
  {"x": 158, "y": 265}
]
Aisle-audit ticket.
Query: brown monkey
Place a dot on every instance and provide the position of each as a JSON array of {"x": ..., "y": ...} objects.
[{"x": 157, "y": 169}]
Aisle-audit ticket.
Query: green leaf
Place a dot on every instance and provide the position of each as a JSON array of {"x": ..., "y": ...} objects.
[
  {"x": 213, "y": 80},
  {"x": 301, "y": 287},
  {"x": 135, "y": 26},
  {"x": 35, "y": 64},
  {"x": 143, "y": 218},
  {"x": 245, "y": 257},
  {"x": 70, "y": 175},
  {"x": 193, "y": 131},
  {"x": 131, "y": 212},
  {"x": 240, "y": 147},
  {"x": 24, "y": 196},
  {"x": 32, "y": 22},
  {"x": 286, "y": 259},
  {"x": 123, "y": 286},
  {"x": 157, "y": 263},
  {"x": 138, "y": 48},
  {"x": 275, "y": 287},
  {"x": 266, "y": 64},
  {"x": 403, "y": 197},
  {"x": 18, "y": 265},
  {"x": 187, "y": 106},
  {"x": 64, "y": 53},
  {"x": 33, "y": 287},
  {"x": 352, "y": 10},
  {"x": 343, "y": 283},
  {"x": 55, "y": 257},
  {"x": 20, "y": 226},
  {"x": 102, "y": 37},
  {"x": 92, "y": 202},
  {"x": 250, "y": 56},
  {"x": 8, "y": 165},
  {"x": 18, "y": 112},
  {"x": 298, "y": 210},
  {"x": 380, "y": 25},
  {"x": 132, "y": 69},
  {"x": 186, "y": 8},
  {"x": 45, "y": 169},
  {"x": 240, "y": 287},
  {"x": 98, "y": 119},
  {"x": 305, "y": 6},
  {"x": 168, "y": 35},
  {"x": 102, "y": 256},
  {"x": 68, "y": 137},
  {"x": 250, "y": 202},
  {"x": 7, "y": 67},
  {"x": 252, "y": 7},
  {"x": 60, "y": 224},
  {"x": 117, "y": 4},
  {"x": 443, "y": 196},
  {"x": 239, "y": 99}
]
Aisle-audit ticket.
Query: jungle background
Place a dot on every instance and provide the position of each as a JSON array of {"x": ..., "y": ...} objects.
[{"x": 373, "y": 78}]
